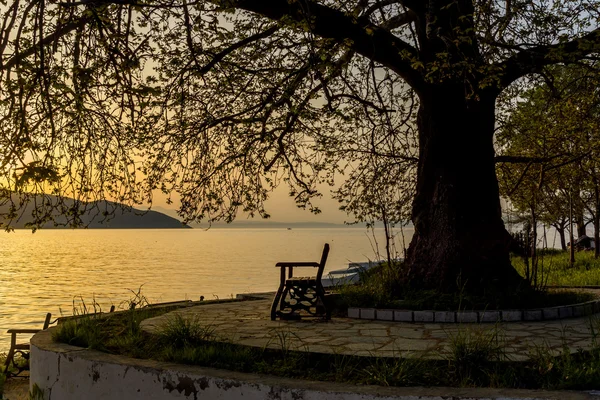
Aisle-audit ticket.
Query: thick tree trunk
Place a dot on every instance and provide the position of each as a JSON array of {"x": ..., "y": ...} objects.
[{"x": 460, "y": 240}]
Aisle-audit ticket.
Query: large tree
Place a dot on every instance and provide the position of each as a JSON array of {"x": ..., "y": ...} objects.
[{"x": 221, "y": 100}]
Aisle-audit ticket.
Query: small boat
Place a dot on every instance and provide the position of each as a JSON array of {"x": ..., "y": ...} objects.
[{"x": 348, "y": 275}]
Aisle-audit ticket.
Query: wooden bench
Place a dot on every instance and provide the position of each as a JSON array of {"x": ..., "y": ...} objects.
[
  {"x": 21, "y": 348},
  {"x": 296, "y": 294}
]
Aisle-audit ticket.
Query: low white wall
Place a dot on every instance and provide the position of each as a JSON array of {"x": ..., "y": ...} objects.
[{"x": 70, "y": 373}]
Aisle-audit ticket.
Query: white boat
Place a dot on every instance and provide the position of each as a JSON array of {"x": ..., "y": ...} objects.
[{"x": 348, "y": 275}]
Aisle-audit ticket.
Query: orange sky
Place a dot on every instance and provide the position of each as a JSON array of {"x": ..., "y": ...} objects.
[{"x": 282, "y": 208}]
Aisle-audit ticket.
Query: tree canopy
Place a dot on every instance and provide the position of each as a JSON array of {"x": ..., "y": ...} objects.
[{"x": 220, "y": 101}]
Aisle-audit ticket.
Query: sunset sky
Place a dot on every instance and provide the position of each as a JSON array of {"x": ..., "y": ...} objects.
[{"x": 282, "y": 208}]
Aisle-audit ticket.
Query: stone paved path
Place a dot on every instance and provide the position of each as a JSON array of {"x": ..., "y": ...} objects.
[
  {"x": 16, "y": 389},
  {"x": 248, "y": 323}
]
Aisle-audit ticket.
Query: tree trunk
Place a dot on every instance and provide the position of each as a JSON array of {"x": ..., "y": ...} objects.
[
  {"x": 561, "y": 233},
  {"x": 580, "y": 221},
  {"x": 596, "y": 214},
  {"x": 460, "y": 240}
]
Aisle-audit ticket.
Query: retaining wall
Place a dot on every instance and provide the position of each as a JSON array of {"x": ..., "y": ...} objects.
[{"x": 66, "y": 372}]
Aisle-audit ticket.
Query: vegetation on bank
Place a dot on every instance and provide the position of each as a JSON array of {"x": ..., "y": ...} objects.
[
  {"x": 477, "y": 358},
  {"x": 555, "y": 270},
  {"x": 381, "y": 287}
]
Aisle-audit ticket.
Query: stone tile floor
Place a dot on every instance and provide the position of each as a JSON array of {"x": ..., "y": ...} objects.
[{"x": 248, "y": 323}]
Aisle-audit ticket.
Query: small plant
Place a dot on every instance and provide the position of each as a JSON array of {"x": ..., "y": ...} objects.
[
  {"x": 180, "y": 331},
  {"x": 82, "y": 331},
  {"x": 344, "y": 366},
  {"x": 399, "y": 371},
  {"x": 138, "y": 300},
  {"x": 285, "y": 340},
  {"x": 2, "y": 380},
  {"x": 475, "y": 355},
  {"x": 36, "y": 393}
]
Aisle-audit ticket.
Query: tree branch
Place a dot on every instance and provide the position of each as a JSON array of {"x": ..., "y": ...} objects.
[
  {"x": 222, "y": 54},
  {"x": 399, "y": 20},
  {"x": 366, "y": 39},
  {"x": 534, "y": 59},
  {"x": 418, "y": 6},
  {"x": 60, "y": 32},
  {"x": 522, "y": 159}
]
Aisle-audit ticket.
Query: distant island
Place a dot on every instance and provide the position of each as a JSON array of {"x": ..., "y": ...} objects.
[{"x": 96, "y": 215}]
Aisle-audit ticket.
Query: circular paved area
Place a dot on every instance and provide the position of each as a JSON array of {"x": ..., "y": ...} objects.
[{"x": 248, "y": 323}]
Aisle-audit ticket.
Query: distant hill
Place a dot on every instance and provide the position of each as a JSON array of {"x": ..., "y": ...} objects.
[{"x": 97, "y": 215}]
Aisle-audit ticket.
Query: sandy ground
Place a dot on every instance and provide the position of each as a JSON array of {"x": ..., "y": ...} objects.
[{"x": 16, "y": 389}]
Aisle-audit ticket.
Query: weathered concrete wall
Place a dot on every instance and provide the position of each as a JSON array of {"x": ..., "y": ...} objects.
[{"x": 70, "y": 373}]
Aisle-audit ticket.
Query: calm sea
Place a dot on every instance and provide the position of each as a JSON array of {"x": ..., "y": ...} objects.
[{"x": 53, "y": 270}]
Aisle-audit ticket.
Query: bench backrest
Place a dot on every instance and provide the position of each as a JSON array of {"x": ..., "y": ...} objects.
[
  {"x": 47, "y": 321},
  {"x": 323, "y": 261}
]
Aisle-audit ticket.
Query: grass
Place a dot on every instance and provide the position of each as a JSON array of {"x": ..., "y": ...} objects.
[
  {"x": 380, "y": 288},
  {"x": 557, "y": 269},
  {"x": 476, "y": 358}
]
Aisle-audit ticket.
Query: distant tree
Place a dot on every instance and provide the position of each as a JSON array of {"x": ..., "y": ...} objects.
[
  {"x": 222, "y": 100},
  {"x": 556, "y": 125}
]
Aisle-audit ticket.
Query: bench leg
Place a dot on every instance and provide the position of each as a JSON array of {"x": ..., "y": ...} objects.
[
  {"x": 321, "y": 308},
  {"x": 276, "y": 303},
  {"x": 9, "y": 360}
]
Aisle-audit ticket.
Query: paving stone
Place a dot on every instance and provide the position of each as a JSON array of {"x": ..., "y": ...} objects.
[
  {"x": 412, "y": 345},
  {"x": 370, "y": 339},
  {"x": 466, "y": 316},
  {"x": 578, "y": 310},
  {"x": 444, "y": 316},
  {"x": 489, "y": 316},
  {"x": 367, "y": 313},
  {"x": 565, "y": 312},
  {"x": 385, "y": 315},
  {"x": 517, "y": 333},
  {"x": 404, "y": 316},
  {"x": 335, "y": 326},
  {"x": 550, "y": 312},
  {"x": 532, "y": 315},
  {"x": 511, "y": 315},
  {"x": 353, "y": 312},
  {"x": 249, "y": 323},
  {"x": 376, "y": 325},
  {"x": 423, "y": 316},
  {"x": 438, "y": 334},
  {"x": 406, "y": 332},
  {"x": 315, "y": 339},
  {"x": 374, "y": 332}
]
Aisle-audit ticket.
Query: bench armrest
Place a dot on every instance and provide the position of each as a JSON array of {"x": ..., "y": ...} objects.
[
  {"x": 23, "y": 331},
  {"x": 291, "y": 265},
  {"x": 297, "y": 264}
]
